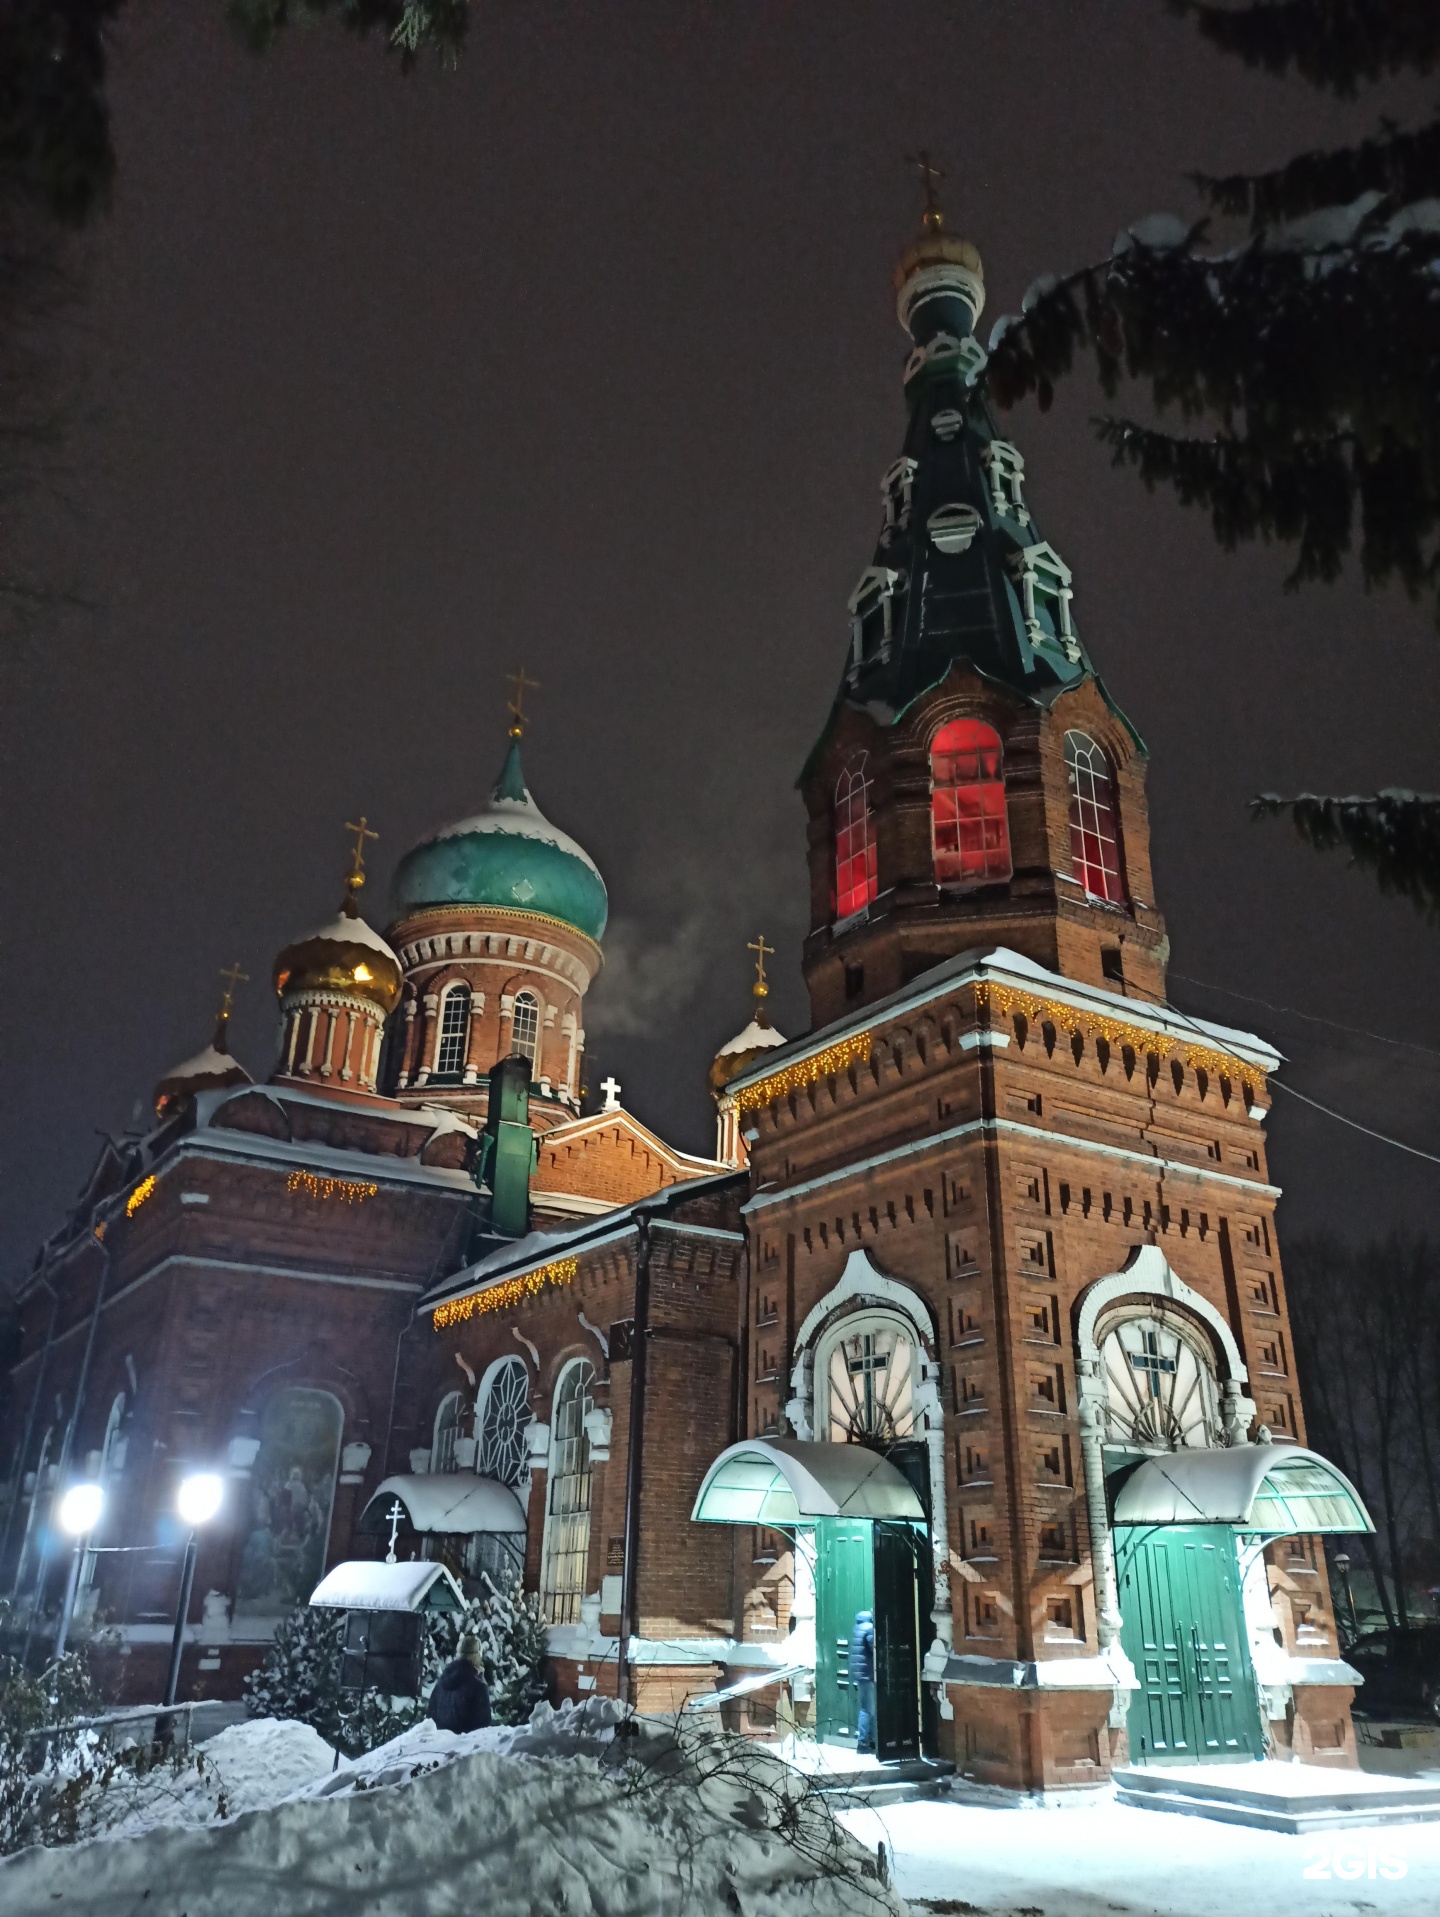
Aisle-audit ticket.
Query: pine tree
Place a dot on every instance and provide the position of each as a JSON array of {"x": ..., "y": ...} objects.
[
  {"x": 300, "y": 1677},
  {"x": 1310, "y": 352}
]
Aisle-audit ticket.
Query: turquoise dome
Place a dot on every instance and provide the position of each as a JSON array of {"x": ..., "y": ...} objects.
[{"x": 509, "y": 855}]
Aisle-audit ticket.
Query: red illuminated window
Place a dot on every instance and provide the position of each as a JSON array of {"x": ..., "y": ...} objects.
[
  {"x": 854, "y": 839},
  {"x": 1094, "y": 831},
  {"x": 968, "y": 830}
]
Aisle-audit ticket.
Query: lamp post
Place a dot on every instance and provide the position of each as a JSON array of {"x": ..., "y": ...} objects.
[
  {"x": 198, "y": 1500},
  {"x": 79, "y": 1512},
  {"x": 1342, "y": 1565}
]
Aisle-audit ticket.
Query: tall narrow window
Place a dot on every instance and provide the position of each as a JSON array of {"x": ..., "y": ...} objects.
[
  {"x": 1094, "y": 832},
  {"x": 567, "y": 1500},
  {"x": 525, "y": 1025},
  {"x": 447, "y": 1430},
  {"x": 968, "y": 828},
  {"x": 454, "y": 1031},
  {"x": 505, "y": 1423},
  {"x": 854, "y": 839}
]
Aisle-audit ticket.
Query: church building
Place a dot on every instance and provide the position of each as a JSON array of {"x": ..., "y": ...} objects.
[{"x": 975, "y": 1321}]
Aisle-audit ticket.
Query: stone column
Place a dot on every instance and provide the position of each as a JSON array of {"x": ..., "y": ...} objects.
[{"x": 427, "y": 1039}]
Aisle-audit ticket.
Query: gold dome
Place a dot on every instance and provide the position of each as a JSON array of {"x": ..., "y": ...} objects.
[
  {"x": 934, "y": 248},
  {"x": 346, "y": 956}
]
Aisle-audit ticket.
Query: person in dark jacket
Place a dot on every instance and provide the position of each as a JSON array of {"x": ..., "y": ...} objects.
[
  {"x": 460, "y": 1700},
  {"x": 862, "y": 1679}
]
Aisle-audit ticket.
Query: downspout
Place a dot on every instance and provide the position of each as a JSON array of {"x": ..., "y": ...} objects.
[
  {"x": 639, "y": 1337},
  {"x": 17, "y": 1476}
]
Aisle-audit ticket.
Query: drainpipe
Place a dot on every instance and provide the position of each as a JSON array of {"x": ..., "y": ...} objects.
[
  {"x": 18, "y": 1475},
  {"x": 639, "y": 1337}
]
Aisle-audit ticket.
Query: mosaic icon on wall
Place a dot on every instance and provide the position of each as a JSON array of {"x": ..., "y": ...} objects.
[{"x": 292, "y": 1489}]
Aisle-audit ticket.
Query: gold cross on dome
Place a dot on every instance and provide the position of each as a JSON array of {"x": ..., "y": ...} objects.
[
  {"x": 516, "y": 706},
  {"x": 362, "y": 833},
  {"x": 232, "y": 976},
  {"x": 762, "y": 951},
  {"x": 933, "y": 218}
]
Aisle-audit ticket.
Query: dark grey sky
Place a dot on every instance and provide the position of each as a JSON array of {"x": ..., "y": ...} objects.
[{"x": 586, "y": 355}]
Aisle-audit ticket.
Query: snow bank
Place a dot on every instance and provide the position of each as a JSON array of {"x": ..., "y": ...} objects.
[
  {"x": 243, "y": 1768},
  {"x": 557, "y": 1815}
]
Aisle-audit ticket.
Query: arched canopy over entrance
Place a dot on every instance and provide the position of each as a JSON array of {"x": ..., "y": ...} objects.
[
  {"x": 1264, "y": 1489},
  {"x": 781, "y": 1481},
  {"x": 453, "y": 1503}
]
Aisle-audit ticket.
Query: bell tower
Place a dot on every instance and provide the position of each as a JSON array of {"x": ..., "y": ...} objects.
[{"x": 975, "y": 784}]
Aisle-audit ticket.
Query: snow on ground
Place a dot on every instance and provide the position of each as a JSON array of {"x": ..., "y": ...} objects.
[
  {"x": 240, "y": 1769},
  {"x": 1103, "y": 1859},
  {"x": 542, "y": 1818}
]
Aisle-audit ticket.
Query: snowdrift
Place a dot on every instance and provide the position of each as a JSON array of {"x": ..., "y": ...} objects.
[{"x": 559, "y": 1815}]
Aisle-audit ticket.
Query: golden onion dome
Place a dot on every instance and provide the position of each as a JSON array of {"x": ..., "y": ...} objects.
[
  {"x": 346, "y": 956},
  {"x": 214, "y": 1069}
]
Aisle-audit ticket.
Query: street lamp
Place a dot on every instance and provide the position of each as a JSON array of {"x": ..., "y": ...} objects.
[
  {"x": 197, "y": 1501},
  {"x": 78, "y": 1513}
]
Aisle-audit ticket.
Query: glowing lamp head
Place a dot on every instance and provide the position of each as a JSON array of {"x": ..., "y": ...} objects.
[
  {"x": 80, "y": 1509},
  {"x": 199, "y": 1497}
]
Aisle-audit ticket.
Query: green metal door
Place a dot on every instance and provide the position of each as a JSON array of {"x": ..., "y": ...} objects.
[
  {"x": 844, "y": 1584},
  {"x": 1183, "y": 1628},
  {"x": 897, "y": 1643}
]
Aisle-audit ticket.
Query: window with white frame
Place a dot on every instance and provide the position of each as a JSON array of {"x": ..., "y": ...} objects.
[
  {"x": 447, "y": 1430},
  {"x": 525, "y": 1025},
  {"x": 454, "y": 1031},
  {"x": 1094, "y": 828},
  {"x": 567, "y": 1497},
  {"x": 869, "y": 1367},
  {"x": 505, "y": 1418},
  {"x": 1160, "y": 1388}
]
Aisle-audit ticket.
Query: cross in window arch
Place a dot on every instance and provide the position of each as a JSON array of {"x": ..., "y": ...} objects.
[
  {"x": 1149, "y": 1362},
  {"x": 866, "y": 1368}
]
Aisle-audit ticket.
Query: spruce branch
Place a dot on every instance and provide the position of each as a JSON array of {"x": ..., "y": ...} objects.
[
  {"x": 1335, "y": 44},
  {"x": 1393, "y": 834}
]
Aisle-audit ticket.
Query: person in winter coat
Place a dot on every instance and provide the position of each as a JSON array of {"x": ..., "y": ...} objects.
[
  {"x": 862, "y": 1679},
  {"x": 460, "y": 1700}
]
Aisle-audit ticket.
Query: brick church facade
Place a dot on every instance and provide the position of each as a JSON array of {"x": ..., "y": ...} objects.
[{"x": 975, "y": 1321}]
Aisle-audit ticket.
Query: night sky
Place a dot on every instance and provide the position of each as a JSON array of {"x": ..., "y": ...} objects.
[{"x": 585, "y": 356}]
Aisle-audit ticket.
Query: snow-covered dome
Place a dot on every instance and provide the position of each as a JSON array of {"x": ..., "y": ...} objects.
[
  {"x": 508, "y": 855},
  {"x": 210, "y": 1070},
  {"x": 345, "y": 956},
  {"x": 758, "y": 1037}
]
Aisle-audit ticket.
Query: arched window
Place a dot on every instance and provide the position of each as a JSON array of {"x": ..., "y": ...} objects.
[
  {"x": 505, "y": 1417},
  {"x": 968, "y": 828},
  {"x": 1094, "y": 831},
  {"x": 525, "y": 1025},
  {"x": 567, "y": 1497},
  {"x": 447, "y": 1430},
  {"x": 292, "y": 1489},
  {"x": 869, "y": 1370},
  {"x": 454, "y": 1031},
  {"x": 1160, "y": 1389},
  {"x": 855, "y": 883}
]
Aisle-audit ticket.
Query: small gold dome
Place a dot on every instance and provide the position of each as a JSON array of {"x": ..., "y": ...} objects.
[
  {"x": 346, "y": 956},
  {"x": 934, "y": 248}
]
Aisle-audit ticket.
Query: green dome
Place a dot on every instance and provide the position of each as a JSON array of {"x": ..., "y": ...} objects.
[{"x": 510, "y": 856}]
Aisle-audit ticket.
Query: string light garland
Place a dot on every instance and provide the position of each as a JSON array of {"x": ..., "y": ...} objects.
[
  {"x": 344, "y": 1191},
  {"x": 1009, "y": 1003},
  {"x": 511, "y": 1292},
  {"x": 137, "y": 1197},
  {"x": 805, "y": 1071}
]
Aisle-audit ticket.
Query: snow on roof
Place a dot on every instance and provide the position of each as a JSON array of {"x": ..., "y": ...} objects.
[
  {"x": 343, "y": 930},
  {"x": 208, "y": 1064},
  {"x": 521, "y": 819},
  {"x": 755, "y": 1037},
  {"x": 366, "y": 1586}
]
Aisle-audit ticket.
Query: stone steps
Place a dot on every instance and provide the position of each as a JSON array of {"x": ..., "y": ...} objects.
[{"x": 1295, "y": 1798}]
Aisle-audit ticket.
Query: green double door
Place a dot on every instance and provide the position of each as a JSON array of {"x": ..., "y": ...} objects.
[
  {"x": 866, "y": 1565},
  {"x": 1183, "y": 1628}
]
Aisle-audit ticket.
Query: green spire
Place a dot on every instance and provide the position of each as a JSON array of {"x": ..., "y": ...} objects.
[{"x": 511, "y": 783}]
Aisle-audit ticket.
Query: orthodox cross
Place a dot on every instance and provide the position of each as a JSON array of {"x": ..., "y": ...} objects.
[
  {"x": 516, "y": 706},
  {"x": 362, "y": 833},
  {"x": 1150, "y": 1364},
  {"x": 933, "y": 218},
  {"x": 762, "y": 951},
  {"x": 611, "y": 1088},
  {"x": 232, "y": 976},
  {"x": 394, "y": 1516}
]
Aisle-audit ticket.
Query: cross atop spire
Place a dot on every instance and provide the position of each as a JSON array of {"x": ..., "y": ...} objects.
[
  {"x": 516, "y": 706},
  {"x": 362, "y": 832},
  {"x": 933, "y": 219},
  {"x": 232, "y": 976},
  {"x": 762, "y": 951}
]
